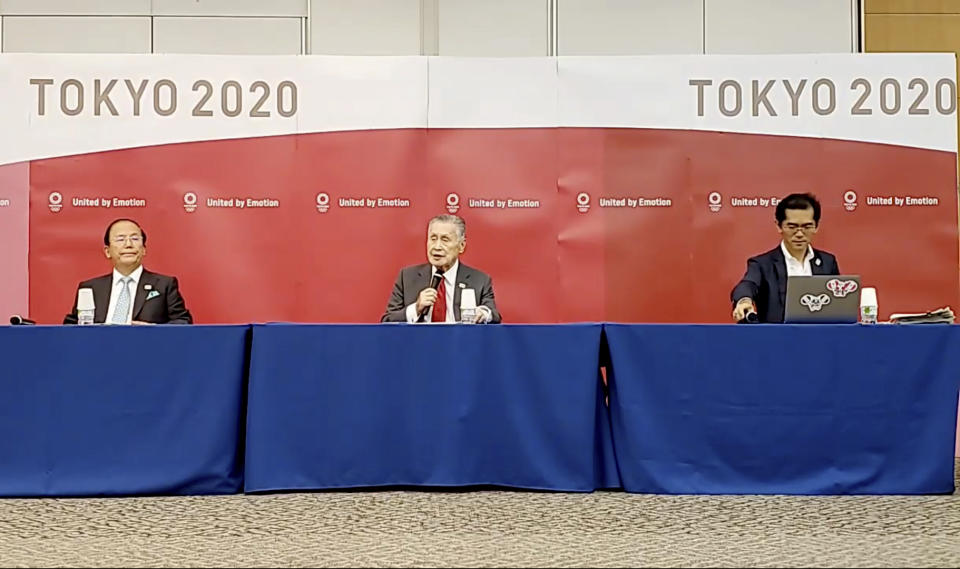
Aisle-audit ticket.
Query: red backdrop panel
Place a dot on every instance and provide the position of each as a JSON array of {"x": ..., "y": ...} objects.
[
  {"x": 14, "y": 221},
  {"x": 558, "y": 261}
]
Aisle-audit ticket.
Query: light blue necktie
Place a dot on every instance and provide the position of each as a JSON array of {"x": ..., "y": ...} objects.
[{"x": 123, "y": 303}]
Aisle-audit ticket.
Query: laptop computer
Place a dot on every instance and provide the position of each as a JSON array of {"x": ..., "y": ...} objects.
[{"x": 823, "y": 299}]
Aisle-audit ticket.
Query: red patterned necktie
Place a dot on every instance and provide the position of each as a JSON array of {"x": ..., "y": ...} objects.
[{"x": 440, "y": 306}]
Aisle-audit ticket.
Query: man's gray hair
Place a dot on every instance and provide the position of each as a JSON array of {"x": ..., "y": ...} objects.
[{"x": 456, "y": 220}]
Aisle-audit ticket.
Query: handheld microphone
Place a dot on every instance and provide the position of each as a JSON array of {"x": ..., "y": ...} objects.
[
  {"x": 750, "y": 318},
  {"x": 750, "y": 315},
  {"x": 434, "y": 283},
  {"x": 18, "y": 320}
]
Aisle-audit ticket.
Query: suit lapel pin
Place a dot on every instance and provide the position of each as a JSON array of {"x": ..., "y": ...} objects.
[
  {"x": 817, "y": 261},
  {"x": 148, "y": 287}
]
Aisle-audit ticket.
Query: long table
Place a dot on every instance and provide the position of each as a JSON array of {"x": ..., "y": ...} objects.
[
  {"x": 342, "y": 406},
  {"x": 779, "y": 409},
  {"x": 104, "y": 410}
]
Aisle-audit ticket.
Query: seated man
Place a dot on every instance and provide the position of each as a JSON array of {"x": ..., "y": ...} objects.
[
  {"x": 414, "y": 299},
  {"x": 763, "y": 289},
  {"x": 131, "y": 294}
]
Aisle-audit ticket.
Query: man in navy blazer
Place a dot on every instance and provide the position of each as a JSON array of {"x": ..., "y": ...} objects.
[
  {"x": 763, "y": 288},
  {"x": 131, "y": 294}
]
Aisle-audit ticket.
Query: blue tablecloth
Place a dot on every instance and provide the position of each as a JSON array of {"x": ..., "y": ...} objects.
[
  {"x": 101, "y": 410},
  {"x": 693, "y": 409},
  {"x": 338, "y": 406},
  {"x": 785, "y": 409}
]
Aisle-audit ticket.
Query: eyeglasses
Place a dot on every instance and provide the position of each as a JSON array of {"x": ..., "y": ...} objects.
[
  {"x": 806, "y": 227},
  {"x": 134, "y": 239}
]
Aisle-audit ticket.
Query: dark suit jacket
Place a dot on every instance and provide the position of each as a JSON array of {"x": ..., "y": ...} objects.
[
  {"x": 412, "y": 280},
  {"x": 168, "y": 308},
  {"x": 766, "y": 281}
]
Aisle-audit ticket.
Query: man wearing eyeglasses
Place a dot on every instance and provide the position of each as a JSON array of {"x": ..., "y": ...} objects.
[
  {"x": 132, "y": 294},
  {"x": 762, "y": 291}
]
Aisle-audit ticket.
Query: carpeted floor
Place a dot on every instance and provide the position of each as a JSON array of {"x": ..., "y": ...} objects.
[{"x": 482, "y": 528}]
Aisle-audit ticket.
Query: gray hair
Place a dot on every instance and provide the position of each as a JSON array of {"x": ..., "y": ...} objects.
[{"x": 456, "y": 220}]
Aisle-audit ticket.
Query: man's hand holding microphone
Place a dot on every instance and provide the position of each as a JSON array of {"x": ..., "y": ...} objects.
[
  {"x": 745, "y": 311},
  {"x": 425, "y": 300}
]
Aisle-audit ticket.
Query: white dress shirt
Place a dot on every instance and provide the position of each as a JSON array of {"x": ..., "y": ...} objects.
[
  {"x": 797, "y": 268},
  {"x": 450, "y": 282},
  {"x": 115, "y": 293}
]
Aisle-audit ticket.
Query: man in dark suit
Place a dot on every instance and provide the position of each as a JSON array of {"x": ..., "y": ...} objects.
[
  {"x": 414, "y": 300},
  {"x": 131, "y": 294},
  {"x": 763, "y": 289}
]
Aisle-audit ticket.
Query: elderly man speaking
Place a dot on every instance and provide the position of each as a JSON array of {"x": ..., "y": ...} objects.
[{"x": 431, "y": 292}]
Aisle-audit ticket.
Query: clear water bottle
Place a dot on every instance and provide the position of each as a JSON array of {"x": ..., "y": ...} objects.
[
  {"x": 468, "y": 306},
  {"x": 85, "y": 306},
  {"x": 868, "y": 305},
  {"x": 84, "y": 317}
]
